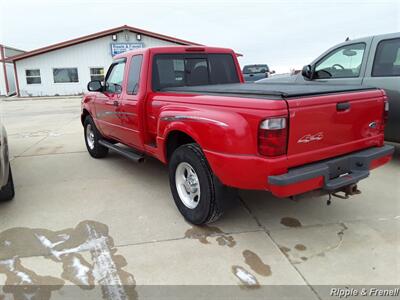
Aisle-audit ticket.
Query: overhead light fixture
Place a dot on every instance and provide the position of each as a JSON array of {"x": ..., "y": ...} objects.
[
  {"x": 114, "y": 37},
  {"x": 138, "y": 36}
]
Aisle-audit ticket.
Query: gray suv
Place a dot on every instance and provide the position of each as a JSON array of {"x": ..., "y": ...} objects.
[{"x": 370, "y": 61}]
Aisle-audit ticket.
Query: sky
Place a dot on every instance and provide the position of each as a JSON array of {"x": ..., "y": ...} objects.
[{"x": 284, "y": 34}]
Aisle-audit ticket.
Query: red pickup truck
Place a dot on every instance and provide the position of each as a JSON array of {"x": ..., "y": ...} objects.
[{"x": 190, "y": 108}]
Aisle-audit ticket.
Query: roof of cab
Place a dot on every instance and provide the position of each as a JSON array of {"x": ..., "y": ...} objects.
[{"x": 176, "y": 49}]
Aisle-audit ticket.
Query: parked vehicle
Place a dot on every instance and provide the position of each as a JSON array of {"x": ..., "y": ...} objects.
[
  {"x": 190, "y": 108},
  {"x": 255, "y": 72},
  {"x": 6, "y": 180},
  {"x": 371, "y": 61}
]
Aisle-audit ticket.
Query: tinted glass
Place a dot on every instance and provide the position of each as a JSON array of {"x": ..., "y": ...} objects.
[
  {"x": 255, "y": 69},
  {"x": 62, "y": 75},
  {"x": 134, "y": 74},
  {"x": 33, "y": 80},
  {"x": 97, "y": 74},
  {"x": 32, "y": 72},
  {"x": 115, "y": 77},
  {"x": 33, "y": 76},
  {"x": 344, "y": 62},
  {"x": 387, "y": 58},
  {"x": 173, "y": 70}
]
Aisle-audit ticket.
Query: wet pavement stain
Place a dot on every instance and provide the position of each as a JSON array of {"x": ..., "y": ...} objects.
[
  {"x": 202, "y": 233},
  {"x": 247, "y": 279},
  {"x": 300, "y": 247},
  {"x": 290, "y": 222},
  {"x": 64, "y": 247},
  {"x": 256, "y": 264}
]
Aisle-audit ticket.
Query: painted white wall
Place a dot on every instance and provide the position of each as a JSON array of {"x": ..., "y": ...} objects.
[{"x": 95, "y": 53}]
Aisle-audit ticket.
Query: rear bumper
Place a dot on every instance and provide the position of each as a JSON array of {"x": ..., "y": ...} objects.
[{"x": 332, "y": 174}]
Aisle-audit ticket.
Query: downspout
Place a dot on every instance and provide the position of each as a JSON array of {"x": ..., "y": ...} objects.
[
  {"x": 4, "y": 69},
  {"x": 16, "y": 79}
]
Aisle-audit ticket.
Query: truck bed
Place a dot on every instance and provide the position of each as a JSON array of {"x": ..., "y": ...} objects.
[{"x": 278, "y": 91}]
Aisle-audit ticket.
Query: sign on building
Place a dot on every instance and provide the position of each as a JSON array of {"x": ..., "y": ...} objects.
[{"x": 117, "y": 48}]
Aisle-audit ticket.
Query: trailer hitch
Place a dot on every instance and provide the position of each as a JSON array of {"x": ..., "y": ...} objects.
[{"x": 348, "y": 190}]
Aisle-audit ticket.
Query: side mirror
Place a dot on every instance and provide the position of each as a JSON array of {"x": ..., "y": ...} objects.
[
  {"x": 94, "y": 86},
  {"x": 308, "y": 72}
]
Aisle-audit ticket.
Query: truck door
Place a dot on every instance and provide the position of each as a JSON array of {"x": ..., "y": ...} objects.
[
  {"x": 108, "y": 102},
  {"x": 129, "y": 110},
  {"x": 383, "y": 71},
  {"x": 343, "y": 65}
]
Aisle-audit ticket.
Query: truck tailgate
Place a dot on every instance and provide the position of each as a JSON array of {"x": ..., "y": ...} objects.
[{"x": 331, "y": 125}]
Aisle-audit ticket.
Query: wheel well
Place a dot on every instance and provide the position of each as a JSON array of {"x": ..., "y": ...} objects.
[
  {"x": 84, "y": 114},
  {"x": 176, "y": 139}
]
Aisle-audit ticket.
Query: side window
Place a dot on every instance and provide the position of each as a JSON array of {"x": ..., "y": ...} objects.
[
  {"x": 97, "y": 74},
  {"x": 169, "y": 71},
  {"x": 387, "y": 58},
  {"x": 344, "y": 62},
  {"x": 115, "y": 77},
  {"x": 134, "y": 75}
]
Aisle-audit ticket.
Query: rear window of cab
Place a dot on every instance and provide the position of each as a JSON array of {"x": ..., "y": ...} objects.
[{"x": 176, "y": 70}]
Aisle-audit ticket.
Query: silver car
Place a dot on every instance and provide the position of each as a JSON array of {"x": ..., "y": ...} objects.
[
  {"x": 371, "y": 61},
  {"x": 6, "y": 180}
]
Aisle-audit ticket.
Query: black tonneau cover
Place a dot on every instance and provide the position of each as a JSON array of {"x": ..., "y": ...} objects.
[{"x": 267, "y": 90}]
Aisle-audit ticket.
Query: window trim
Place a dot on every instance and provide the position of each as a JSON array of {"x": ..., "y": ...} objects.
[
  {"x": 68, "y": 82},
  {"x": 97, "y": 67},
  {"x": 26, "y": 76},
  {"x": 334, "y": 50},
  {"x": 376, "y": 52}
]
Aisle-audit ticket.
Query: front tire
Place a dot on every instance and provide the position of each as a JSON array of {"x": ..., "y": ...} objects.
[
  {"x": 92, "y": 137},
  {"x": 196, "y": 191},
  {"x": 7, "y": 192}
]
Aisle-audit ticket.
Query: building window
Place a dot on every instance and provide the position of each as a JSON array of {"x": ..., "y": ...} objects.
[
  {"x": 97, "y": 74},
  {"x": 33, "y": 76},
  {"x": 62, "y": 75}
]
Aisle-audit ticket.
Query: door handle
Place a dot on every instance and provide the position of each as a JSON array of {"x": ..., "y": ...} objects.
[
  {"x": 343, "y": 106},
  {"x": 115, "y": 103}
]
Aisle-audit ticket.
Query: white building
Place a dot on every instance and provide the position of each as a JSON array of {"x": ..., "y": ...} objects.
[
  {"x": 66, "y": 68},
  {"x": 7, "y": 76}
]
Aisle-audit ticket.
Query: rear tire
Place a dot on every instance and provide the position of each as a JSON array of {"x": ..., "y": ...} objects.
[
  {"x": 7, "y": 192},
  {"x": 92, "y": 137},
  {"x": 197, "y": 193}
]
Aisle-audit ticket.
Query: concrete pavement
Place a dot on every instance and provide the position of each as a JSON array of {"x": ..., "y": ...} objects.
[{"x": 88, "y": 223}]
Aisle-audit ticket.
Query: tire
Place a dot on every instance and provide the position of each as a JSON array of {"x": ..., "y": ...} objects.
[
  {"x": 92, "y": 143},
  {"x": 7, "y": 192},
  {"x": 203, "y": 203}
]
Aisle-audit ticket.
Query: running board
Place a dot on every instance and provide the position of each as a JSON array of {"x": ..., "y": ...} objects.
[{"x": 136, "y": 157}]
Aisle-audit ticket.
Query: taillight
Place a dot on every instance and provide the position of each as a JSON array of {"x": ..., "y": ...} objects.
[
  {"x": 386, "y": 112},
  {"x": 272, "y": 137}
]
